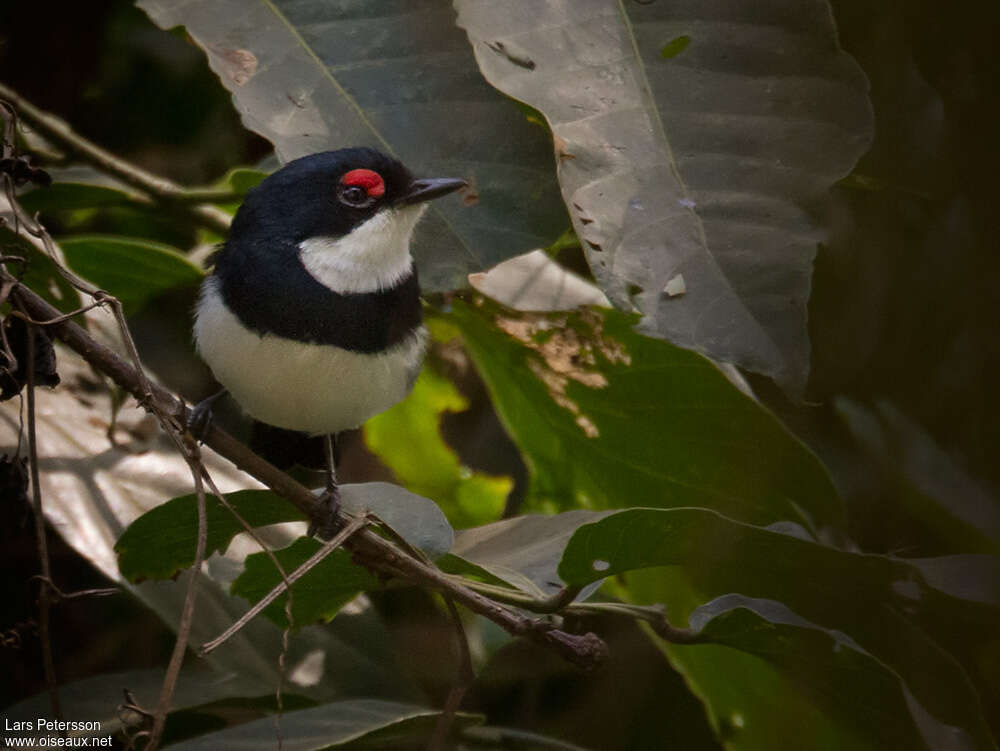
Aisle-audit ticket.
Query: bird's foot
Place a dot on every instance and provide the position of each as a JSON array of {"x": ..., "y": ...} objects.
[
  {"x": 199, "y": 419},
  {"x": 326, "y": 520}
]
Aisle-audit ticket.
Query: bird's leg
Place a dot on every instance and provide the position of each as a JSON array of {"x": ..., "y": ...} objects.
[
  {"x": 326, "y": 522},
  {"x": 200, "y": 418}
]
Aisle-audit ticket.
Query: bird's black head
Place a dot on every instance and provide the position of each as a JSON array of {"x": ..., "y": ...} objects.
[{"x": 330, "y": 194}]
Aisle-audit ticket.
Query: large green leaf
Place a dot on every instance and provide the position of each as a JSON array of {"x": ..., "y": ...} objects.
[
  {"x": 865, "y": 696},
  {"x": 608, "y": 418},
  {"x": 314, "y": 75},
  {"x": 696, "y": 139},
  {"x": 840, "y": 649},
  {"x": 888, "y": 611},
  {"x": 134, "y": 270}
]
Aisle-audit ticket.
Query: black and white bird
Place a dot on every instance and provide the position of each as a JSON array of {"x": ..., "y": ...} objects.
[{"x": 311, "y": 318}]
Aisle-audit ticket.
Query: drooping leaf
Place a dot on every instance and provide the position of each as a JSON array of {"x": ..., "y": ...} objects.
[
  {"x": 865, "y": 625},
  {"x": 332, "y": 725},
  {"x": 133, "y": 270},
  {"x": 695, "y": 140},
  {"x": 862, "y": 703},
  {"x": 312, "y": 76},
  {"x": 891, "y": 608},
  {"x": 608, "y": 418},
  {"x": 408, "y": 439}
]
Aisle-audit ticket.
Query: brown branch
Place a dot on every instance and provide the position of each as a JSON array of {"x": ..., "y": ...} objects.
[
  {"x": 58, "y": 132},
  {"x": 562, "y": 602},
  {"x": 370, "y": 549}
]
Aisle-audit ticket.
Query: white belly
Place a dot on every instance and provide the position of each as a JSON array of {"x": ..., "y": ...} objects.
[{"x": 314, "y": 388}]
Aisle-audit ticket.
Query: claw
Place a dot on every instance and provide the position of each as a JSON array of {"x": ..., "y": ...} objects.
[
  {"x": 326, "y": 521},
  {"x": 199, "y": 419}
]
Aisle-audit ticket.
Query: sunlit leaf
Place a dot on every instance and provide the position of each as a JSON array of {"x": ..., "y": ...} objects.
[
  {"x": 607, "y": 418},
  {"x": 408, "y": 439}
]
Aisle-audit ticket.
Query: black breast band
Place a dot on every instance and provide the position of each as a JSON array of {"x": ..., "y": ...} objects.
[{"x": 288, "y": 302}]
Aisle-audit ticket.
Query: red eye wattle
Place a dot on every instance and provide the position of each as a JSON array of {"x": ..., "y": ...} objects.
[{"x": 371, "y": 181}]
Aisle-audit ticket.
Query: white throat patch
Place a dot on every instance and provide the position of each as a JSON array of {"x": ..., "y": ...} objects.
[{"x": 375, "y": 256}]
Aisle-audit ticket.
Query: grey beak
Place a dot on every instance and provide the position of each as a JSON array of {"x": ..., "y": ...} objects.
[{"x": 425, "y": 190}]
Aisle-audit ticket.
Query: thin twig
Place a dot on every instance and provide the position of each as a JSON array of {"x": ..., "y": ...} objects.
[
  {"x": 286, "y": 632},
  {"x": 44, "y": 596},
  {"x": 29, "y": 225},
  {"x": 63, "y": 317},
  {"x": 657, "y": 620},
  {"x": 187, "y": 613},
  {"x": 57, "y": 131},
  {"x": 328, "y": 547},
  {"x": 60, "y": 595},
  {"x": 466, "y": 676}
]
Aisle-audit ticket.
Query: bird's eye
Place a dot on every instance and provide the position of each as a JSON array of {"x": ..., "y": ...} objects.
[
  {"x": 360, "y": 188},
  {"x": 356, "y": 196}
]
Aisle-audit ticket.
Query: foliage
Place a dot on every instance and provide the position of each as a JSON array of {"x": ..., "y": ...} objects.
[{"x": 662, "y": 494}]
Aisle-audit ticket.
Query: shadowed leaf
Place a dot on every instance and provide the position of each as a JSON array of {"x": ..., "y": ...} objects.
[
  {"x": 312, "y": 76},
  {"x": 692, "y": 178}
]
